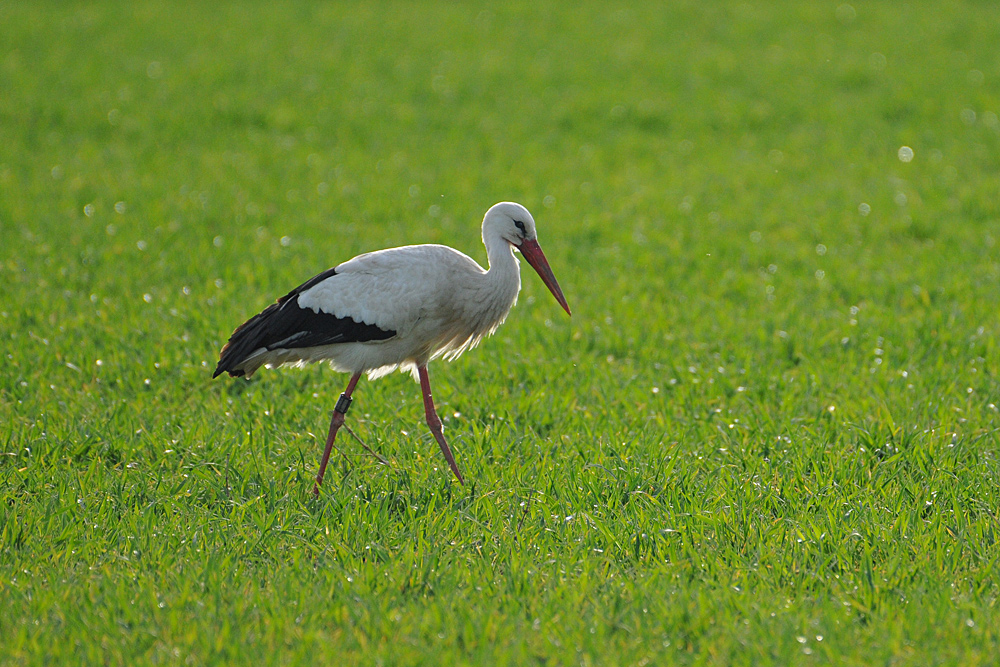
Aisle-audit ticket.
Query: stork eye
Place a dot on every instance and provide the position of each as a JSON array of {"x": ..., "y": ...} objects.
[{"x": 520, "y": 225}]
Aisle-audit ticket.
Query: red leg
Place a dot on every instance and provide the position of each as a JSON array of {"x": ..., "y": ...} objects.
[
  {"x": 339, "y": 412},
  {"x": 434, "y": 422}
]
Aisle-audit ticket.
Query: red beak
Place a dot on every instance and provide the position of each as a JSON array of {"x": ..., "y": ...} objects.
[{"x": 533, "y": 253}]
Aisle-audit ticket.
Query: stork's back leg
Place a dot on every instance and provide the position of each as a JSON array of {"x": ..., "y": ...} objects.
[{"x": 339, "y": 413}]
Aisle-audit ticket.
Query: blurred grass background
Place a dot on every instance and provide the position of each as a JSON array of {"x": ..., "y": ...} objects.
[{"x": 771, "y": 419}]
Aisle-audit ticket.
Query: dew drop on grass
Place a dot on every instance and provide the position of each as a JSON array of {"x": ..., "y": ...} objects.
[
  {"x": 88, "y": 210},
  {"x": 846, "y": 14},
  {"x": 864, "y": 209},
  {"x": 905, "y": 154}
]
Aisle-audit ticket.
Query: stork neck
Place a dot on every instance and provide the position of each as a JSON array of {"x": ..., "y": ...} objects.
[
  {"x": 497, "y": 291},
  {"x": 499, "y": 252},
  {"x": 500, "y": 255},
  {"x": 500, "y": 284}
]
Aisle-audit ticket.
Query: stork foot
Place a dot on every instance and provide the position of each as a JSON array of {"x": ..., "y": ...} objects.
[{"x": 445, "y": 449}]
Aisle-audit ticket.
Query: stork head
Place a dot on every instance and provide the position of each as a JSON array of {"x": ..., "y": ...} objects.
[{"x": 512, "y": 223}]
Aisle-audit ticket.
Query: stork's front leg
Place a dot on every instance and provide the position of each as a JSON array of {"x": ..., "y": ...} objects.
[
  {"x": 339, "y": 413},
  {"x": 434, "y": 422}
]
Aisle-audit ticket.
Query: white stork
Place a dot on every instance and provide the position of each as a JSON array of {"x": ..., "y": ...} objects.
[{"x": 395, "y": 308}]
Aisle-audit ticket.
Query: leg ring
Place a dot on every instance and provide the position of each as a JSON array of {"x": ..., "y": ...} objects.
[{"x": 343, "y": 404}]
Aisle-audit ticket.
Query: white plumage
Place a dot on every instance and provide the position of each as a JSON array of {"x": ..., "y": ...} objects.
[{"x": 395, "y": 308}]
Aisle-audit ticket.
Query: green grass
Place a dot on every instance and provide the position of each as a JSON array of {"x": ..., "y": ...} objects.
[{"x": 768, "y": 434}]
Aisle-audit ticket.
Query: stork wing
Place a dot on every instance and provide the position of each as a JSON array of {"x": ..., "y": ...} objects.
[{"x": 287, "y": 324}]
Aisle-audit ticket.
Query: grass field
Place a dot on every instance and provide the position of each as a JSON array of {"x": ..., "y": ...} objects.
[{"x": 768, "y": 434}]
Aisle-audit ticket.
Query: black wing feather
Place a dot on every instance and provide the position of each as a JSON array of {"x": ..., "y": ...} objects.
[{"x": 287, "y": 325}]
